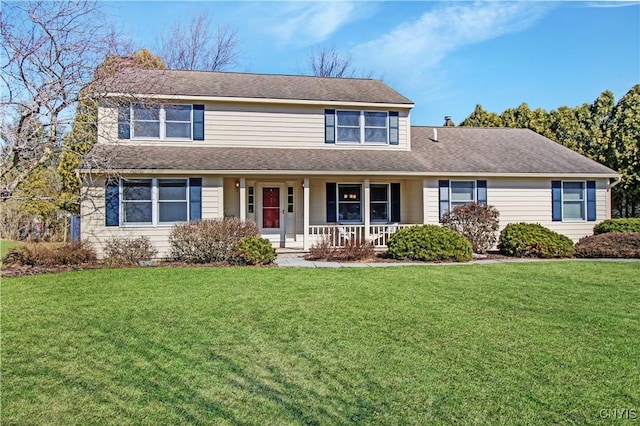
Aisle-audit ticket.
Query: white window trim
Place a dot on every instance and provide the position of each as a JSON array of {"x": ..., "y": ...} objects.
[
  {"x": 584, "y": 200},
  {"x": 162, "y": 122},
  {"x": 155, "y": 195},
  {"x": 388, "y": 220},
  {"x": 475, "y": 192},
  {"x": 338, "y": 203},
  {"x": 361, "y": 124}
]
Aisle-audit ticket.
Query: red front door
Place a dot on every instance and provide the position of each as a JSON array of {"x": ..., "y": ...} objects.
[{"x": 271, "y": 207}]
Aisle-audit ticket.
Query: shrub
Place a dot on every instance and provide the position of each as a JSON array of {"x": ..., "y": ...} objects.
[
  {"x": 477, "y": 222},
  {"x": 352, "y": 250},
  {"x": 617, "y": 225},
  {"x": 75, "y": 253},
  {"x": 256, "y": 251},
  {"x": 209, "y": 240},
  {"x": 612, "y": 244},
  {"x": 128, "y": 251},
  {"x": 430, "y": 243},
  {"x": 533, "y": 240}
]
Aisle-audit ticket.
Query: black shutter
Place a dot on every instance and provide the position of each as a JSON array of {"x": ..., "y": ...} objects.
[
  {"x": 591, "y": 200},
  {"x": 195, "y": 199},
  {"x": 112, "y": 202},
  {"x": 393, "y": 128},
  {"x": 443, "y": 194},
  {"x": 395, "y": 202},
  {"x": 198, "y": 122},
  {"x": 124, "y": 123},
  {"x": 329, "y": 126},
  {"x": 481, "y": 189},
  {"x": 331, "y": 202},
  {"x": 556, "y": 200}
]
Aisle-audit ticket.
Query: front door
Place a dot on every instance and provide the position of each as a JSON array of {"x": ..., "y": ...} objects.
[{"x": 271, "y": 208}]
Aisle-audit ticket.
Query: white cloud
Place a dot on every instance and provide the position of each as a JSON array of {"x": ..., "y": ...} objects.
[
  {"x": 308, "y": 23},
  {"x": 423, "y": 43},
  {"x": 607, "y": 4}
]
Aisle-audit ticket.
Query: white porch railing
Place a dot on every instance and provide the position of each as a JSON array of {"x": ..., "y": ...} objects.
[{"x": 338, "y": 235}]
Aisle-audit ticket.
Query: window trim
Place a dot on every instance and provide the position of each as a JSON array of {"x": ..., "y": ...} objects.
[
  {"x": 155, "y": 203},
  {"x": 362, "y": 127},
  {"x": 361, "y": 220},
  {"x": 162, "y": 122},
  {"x": 475, "y": 191},
  {"x": 584, "y": 201},
  {"x": 388, "y": 202}
]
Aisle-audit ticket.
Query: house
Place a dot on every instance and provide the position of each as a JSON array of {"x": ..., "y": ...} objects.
[{"x": 309, "y": 157}]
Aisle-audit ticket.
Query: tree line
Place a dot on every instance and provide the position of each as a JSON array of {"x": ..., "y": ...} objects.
[{"x": 605, "y": 131}]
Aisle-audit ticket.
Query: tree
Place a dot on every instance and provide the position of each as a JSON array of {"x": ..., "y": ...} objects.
[
  {"x": 196, "y": 47},
  {"x": 482, "y": 118},
  {"x": 328, "y": 62},
  {"x": 50, "y": 51},
  {"x": 84, "y": 133}
]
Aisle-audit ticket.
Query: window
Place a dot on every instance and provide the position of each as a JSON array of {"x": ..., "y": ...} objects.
[
  {"x": 379, "y": 203},
  {"x": 250, "y": 199},
  {"x": 369, "y": 127},
  {"x": 161, "y": 121},
  {"x": 137, "y": 204},
  {"x": 172, "y": 200},
  {"x": 349, "y": 203},
  {"x": 574, "y": 201},
  {"x": 290, "y": 199},
  {"x": 462, "y": 193}
]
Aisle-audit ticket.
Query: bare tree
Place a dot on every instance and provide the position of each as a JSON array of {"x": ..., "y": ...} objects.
[
  {"x": 50, "y": 51},
  {"x": 328, "y": 62},
  {"x": 196, "y": 47}
]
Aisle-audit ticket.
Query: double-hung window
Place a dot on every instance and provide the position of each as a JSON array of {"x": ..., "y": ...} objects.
[
  {"x": 379, "y": 202},
  {"x": 349, "y": 202},
  {"x": 154, "y": 201},
  {"x": 137, "y": 201},
  {"x": 574, "y": 201},
  {"x": 161, "y": 121},
  {"x": 368, "y": 127},
  {"x": 462, "y": 193},
  {"x": 172, "y": 200}
]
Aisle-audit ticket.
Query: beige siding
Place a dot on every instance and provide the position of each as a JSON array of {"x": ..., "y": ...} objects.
[
  {"x": 252, "y": 125},
  {"x": 527, "y": 200},
  {"x": 93, "y": 217}
]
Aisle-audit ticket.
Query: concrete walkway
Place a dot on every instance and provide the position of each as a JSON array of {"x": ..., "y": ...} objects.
[{"x": 297, "y": 260}]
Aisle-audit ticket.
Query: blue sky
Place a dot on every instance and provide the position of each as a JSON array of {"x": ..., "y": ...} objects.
[{"x": 444, "y": 56}]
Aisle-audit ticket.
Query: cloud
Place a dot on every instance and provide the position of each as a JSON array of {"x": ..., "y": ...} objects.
[
  {"x": 308, "y": 23},
  {"x": 423, "y": 43},
  {"x": 607, "y": 4}
]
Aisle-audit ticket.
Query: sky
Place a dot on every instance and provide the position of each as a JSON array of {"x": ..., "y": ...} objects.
[{"x": 446, "y": 57}]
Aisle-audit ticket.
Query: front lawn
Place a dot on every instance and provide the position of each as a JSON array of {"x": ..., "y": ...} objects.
[{"x": 519, "y": 343}]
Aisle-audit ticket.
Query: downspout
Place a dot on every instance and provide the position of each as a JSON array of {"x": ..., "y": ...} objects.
[{"x": 610, "y": 186}]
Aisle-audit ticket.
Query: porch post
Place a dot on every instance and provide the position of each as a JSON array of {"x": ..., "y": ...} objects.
[
  {"x": 367, "y": 208},
  {"x": 243, "y": 199},
  {"x": 425, "y": 196},
  {"x": 305, "y": 213}
]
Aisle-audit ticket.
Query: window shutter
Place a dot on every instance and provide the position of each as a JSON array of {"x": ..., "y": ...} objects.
[
  {"x": 556, "y": 200},
  {"x": 198, "y": 122},
  {"x": 330, "y": 126},
  {"x": 195, "y": 199},
  {"x": 481, "y": 189},
  {"x": 112, "y": 202},
  {"x": 124, "y": 123},
  {"x": 331, "y": 202},
  {"x": 443, "y": 186},
  {"x": 591, "y": 200},
  {"x": 395, "y": 202},
  {"x": 393, "y": 128}
]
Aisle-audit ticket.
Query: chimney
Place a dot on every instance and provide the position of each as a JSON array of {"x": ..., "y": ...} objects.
[{"x": 447, "y": 121}]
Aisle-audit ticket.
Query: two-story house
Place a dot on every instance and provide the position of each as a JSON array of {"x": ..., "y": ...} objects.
[{"x": 305, "y": 157}]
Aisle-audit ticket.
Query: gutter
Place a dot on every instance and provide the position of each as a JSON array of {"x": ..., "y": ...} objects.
[{"x": 616, "y": 180}]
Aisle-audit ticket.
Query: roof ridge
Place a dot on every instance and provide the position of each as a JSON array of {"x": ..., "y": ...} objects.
[{"x": 257, "y": 74}]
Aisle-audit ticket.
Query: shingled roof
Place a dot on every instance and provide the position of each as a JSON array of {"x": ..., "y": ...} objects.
[
  {"x": 257, "y": 86},
  {"x": 457, "y": 151}
]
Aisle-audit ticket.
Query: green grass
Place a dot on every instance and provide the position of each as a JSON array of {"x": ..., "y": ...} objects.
[
  {"x": 521, "y": 343},
  {"x": 5, "y": 246}
]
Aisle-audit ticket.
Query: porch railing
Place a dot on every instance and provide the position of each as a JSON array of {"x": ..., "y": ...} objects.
[{"x": 339, "y": 235}]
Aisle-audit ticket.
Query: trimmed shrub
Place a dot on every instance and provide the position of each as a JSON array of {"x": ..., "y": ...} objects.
[
  {"x": 128, "y": 251},
  {"x": 430, "y": 243},
  {"x": 477, "y": 222},
  {"x": 209, "y": 240},
  {"x": 75, "y": 253},
  {"x": 533, "y": 240},
  {"x": 617, "y": 225},
  {"x": 256, "y": 251},
  {"x": 352, "y": 250},
  {"x": 611, "y": 244}
]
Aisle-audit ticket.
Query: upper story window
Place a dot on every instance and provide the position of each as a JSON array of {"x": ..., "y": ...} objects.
[
  {"x": 361, "y": 127},
  {"x": 172, "y": 122}
]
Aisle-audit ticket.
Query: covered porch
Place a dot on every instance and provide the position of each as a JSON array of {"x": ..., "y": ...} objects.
[{"x": 295, "y": 212}]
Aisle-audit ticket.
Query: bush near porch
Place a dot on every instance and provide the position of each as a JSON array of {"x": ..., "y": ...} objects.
[
  {"x": 429, "y": 243},
  {"x": 533, "y": 240}
]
